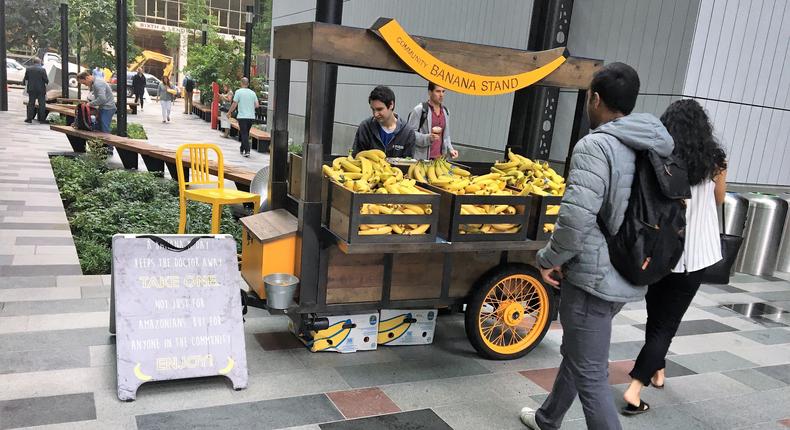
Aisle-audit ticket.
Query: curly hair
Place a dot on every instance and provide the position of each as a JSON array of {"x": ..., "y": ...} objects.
[{"x": 690, "y": 127}]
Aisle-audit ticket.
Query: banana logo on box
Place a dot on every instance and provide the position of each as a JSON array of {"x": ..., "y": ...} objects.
[
  {"x": 394, "y": 328},
  {"x": 454, "y": 79},
  {"x": 331, "y": 337}
]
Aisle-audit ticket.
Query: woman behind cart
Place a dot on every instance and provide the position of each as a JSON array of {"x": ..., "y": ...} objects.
[
  {"x": 225, "y": 100},
  {"x": 669, "y": 298}
]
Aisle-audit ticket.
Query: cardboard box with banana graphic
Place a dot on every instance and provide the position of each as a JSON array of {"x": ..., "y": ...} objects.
[
  {"x": 406, "y": 327},
  {"x": 346, "y": 333}
]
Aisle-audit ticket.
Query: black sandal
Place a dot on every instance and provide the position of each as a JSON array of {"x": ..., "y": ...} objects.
[
  {"x": 631, "y": 410},
  {"x": 660, "y": 387}
]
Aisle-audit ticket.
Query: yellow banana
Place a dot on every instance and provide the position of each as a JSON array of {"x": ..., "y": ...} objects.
[
  {"x": 349, "y": 166},
  {"x": 367, "y": 168},
  {"x": 492, "y": 176},
  {"x": 552, "y": 209},
  {"x": 372, "y": 154},
  {"x": 417, "y": 209},
  {"x": 432, "y": 174},
  {"x": 506, "y": 166},
  {"x": 420, "y": 229},
  {"x": 375, "y": 231},
  {"x": 397, "y": 229}
]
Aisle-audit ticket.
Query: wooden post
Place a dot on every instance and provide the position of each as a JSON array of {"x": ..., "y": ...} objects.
[{"x": 279, "y": 144}]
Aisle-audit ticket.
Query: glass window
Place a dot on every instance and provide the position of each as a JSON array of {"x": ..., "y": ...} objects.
[
  {"x": 139, "y": 8},
  {"x": 172, "y": 11}
]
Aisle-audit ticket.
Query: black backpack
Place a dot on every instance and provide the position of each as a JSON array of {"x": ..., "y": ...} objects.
[
  {"x": 82, "y": 117},
  {"x": 650, "y": 241},
  {"x": 424, "y": 114}
]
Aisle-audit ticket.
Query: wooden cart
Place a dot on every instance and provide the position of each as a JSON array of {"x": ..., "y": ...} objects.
[{"x": 508, "y": 309}]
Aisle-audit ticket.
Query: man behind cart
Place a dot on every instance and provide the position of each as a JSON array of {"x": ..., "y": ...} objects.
[
  {"x": 592, "y": 291},
  {"x": 384, "y": 130}
]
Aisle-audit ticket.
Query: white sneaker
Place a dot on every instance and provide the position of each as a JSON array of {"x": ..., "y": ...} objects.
[{"x": 528, "y": 418}]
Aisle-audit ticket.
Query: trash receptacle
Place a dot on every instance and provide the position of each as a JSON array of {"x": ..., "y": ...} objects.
[
  {"x": 764, "y": 224},
  {"x": 280, "y": 289},
  {"x": 783, "y": 260},
  {"x": 734, "y": 217}
]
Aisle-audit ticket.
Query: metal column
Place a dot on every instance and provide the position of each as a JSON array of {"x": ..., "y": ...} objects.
[
  {"x": 329, "y": 11},
  {"x": 535, "y": 107},
  {"x": 64, "y": 48},
  {"x": 248, "y": 42},
  {"x": 3, "y": 65},
  {"x": 120, "y": 63},
  {"x": 279, "y": 147}
]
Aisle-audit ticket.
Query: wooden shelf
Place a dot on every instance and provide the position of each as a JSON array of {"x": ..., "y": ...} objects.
[{"x": 438, "y": 246}]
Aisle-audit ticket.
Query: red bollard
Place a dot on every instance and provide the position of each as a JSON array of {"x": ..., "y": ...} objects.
[{"x": 214, "y": 106}]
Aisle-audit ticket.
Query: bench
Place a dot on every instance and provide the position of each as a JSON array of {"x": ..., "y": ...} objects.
[
  {"x": 67, "y": 101},
  {"x": 154, "y": 157},
  {"x": 202, "y": 111},
  {"x": 259, "y": 139}
]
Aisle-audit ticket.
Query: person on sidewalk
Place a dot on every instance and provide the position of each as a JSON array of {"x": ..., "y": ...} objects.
[
  {"x": 576, "y": 259},
  {"x": 138, "y": 87},
  {"x": 225, "y": 101},
  {"x": 431, "y": 123},
  {"x": 165, "y": 97},
  {"x": 669, "y": 298},
  {"x": 246, "y": 101},
  {"x": 102, "y": 99},
  {"x": 384, "y": 130},
  {"x": 36, "y": 81},
  {"x": 189, "y": 89}
]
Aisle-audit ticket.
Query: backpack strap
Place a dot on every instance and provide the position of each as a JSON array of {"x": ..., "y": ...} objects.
[{"x": 423, "y": 115}]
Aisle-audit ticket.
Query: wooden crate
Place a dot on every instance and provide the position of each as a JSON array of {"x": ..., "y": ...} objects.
[
  {"x": 450, "y": 217},
  {"x": 538, "y": 216},
  {"x": 343, "y": 215}
]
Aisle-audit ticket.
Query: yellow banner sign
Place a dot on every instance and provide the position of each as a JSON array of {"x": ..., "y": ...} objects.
[{"x": 451, "y": 78}]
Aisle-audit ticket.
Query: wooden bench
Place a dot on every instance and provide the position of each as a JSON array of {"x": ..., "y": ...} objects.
[
  {"x": 132, "y": 109},
  {"x": 154, "y": 157},
  {"x": 259, "y": 139},
  {"x": 202, "y": 111}
]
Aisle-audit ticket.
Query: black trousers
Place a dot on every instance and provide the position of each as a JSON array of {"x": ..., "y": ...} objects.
[
  {"x": 245, "y": 125},
  {"x": 41, "y": 98},
  {"x": 667, "y": 302},
  {"x": 139, "y": 98}
]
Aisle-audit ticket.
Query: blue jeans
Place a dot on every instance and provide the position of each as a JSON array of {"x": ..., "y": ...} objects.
[{"x": 103, "y": 119}]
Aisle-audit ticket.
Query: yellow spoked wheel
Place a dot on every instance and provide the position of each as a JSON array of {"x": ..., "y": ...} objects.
[{"x": 508, "y": 313}]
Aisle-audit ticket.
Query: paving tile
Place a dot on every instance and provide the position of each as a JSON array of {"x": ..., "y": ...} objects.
[
  {"x": 39, "y": 294},
  {"x": 79, "y": 281},
  {"x": 48, "y": 322},
  {"x": 376, "y": 374},
  {"x": 737, "y": 411},
  {"x": 49, "y": 306},
  {"x": 266, "y": 414},
  {"x": 619, "y": 370},
  {"x": 40, "y": 270},
  {"x": 764, "y": 287},
  {"x": 720, "y": 289},
  {"x": 785, "y": 422},
  {"x": 706, "y": 326},
  {"x": 544, "y": 378},
  {"x": 37, "y": 260},
  {"x": 362, "y": 403},
  {"x": 774, "y": 296},
  {"x": 34, "y": 226},
  {"x": 54, "y": 339},
  {"x": 34, "y": 361},
  {"x": 424, "y": 419},
  {"x": 780, "y": 372},
  {"x": 545, "y": 355},
  {"x": 753, "y": 309},
  {"x": 6, "y": 259},
  {"x": 771, "y": 336},
  {"x": 710, "y": 342},
  {"x": 746, "y": 278},
  {"x": 278, "y": 340},
  {"x": 755, "y": 379},
  {"x": 625, "y": 350},
  {"x": 673, "y": 369},
  {"x": 476, "y": 414},
  {"x": 706, "y": 362},
  {"x": 95, "y": 292},
  {"x": 47, "y": 410},
  {"x": 764, "y": 355}
]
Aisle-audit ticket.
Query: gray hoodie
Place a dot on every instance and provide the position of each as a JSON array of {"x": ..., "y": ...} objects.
[
  {"x": 422, "y": 135},
  {"x": 599, "y": 183}
]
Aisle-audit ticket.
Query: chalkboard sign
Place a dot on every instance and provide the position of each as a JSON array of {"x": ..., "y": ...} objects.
[{"x": 177, "y": 311}]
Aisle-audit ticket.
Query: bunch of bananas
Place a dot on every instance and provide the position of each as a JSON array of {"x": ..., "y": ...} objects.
[
  {"x": 532, "y": 177},
  {"x": 369, "y": 172}
]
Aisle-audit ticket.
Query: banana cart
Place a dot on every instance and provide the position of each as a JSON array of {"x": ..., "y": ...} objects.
[{"x": 308, "y": 230}]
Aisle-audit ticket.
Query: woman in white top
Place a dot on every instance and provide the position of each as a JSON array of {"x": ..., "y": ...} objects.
[{"x": 669, "y": 298}]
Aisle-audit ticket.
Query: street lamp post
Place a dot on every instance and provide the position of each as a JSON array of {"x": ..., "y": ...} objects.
[
  {"x": 64, "y": 48},
  {"x": 120, "y": 64},
  {"x": 204, "y": 31},
  {"x": 3, "y": 71},
  {"x": 248, "y": 42}
]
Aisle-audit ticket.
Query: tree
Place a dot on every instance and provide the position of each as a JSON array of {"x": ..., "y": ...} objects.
[
  {"x": 32, "y": 25},
  {"x": 262, "y": 32},
  {"x": 92, "y": 30}
]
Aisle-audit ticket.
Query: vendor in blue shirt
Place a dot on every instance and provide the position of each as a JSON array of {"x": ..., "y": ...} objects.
[{"x": 384, "y": 130}]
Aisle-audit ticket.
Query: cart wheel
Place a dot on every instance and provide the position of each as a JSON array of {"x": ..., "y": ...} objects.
[{"x": 508, "y": 313}]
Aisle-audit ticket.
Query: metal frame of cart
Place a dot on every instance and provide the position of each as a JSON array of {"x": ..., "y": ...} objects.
[{"x": 492, "y": 278}]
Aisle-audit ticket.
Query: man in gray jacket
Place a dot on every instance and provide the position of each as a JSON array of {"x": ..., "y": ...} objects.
[
  {"x": 102, "y": 99},
  {"x": 592, "y": 291},
  {"x": 431, "y": 123}
]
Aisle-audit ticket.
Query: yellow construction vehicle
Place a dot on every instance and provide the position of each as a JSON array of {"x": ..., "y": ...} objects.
[{"x": 147, "y": 56}]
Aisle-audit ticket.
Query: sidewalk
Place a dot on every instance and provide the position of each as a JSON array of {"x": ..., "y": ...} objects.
[{"x": 729, "y": 368}]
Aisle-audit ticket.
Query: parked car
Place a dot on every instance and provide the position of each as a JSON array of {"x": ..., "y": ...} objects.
[
  {"x": 151, "y": 84},
  {"x": 14, "y": 71},
  {"x": 51, "y": 57}
]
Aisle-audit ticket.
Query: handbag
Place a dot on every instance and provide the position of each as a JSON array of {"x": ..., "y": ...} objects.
[{"x": 719, "y": 273}]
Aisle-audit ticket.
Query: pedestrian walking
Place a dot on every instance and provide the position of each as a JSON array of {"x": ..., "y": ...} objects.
[
  {"x": 189, "y": 90},
  {"x": 102, "y": 99},
  {"x": 138, "y": 87},
  {"x": 576, "y": 259},
  {"x": 246, "y": 101},
  {"x": 431, "y": 123},
  {"x": 36, "y": 81},
  {"x": 165, "y": 97},
  {"x": 225, "y": 101},
  {"x": 669, "y": 298}
]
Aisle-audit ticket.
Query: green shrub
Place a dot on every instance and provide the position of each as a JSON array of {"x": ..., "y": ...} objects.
[
  {"x": 100, "y": 203},
  {"x": 133, "y": 130}
]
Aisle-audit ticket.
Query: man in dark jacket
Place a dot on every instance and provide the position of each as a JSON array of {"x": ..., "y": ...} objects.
[
  {"x": 592, "y": 291},
  {"x": 36, "y": 84},
  {"x": 189, "y": 90},
  {"x": 384, "y": 130},
  {"x": 138, "y": 87}
]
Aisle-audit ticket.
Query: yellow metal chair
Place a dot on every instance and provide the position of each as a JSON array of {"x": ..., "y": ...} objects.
[{"x": 198, "y": 163}]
